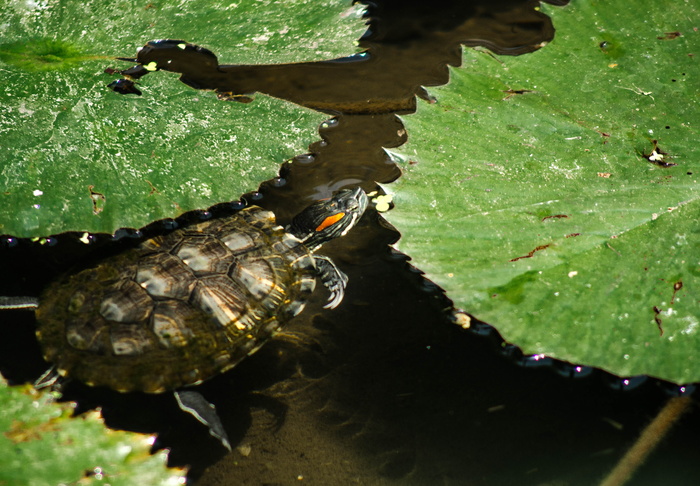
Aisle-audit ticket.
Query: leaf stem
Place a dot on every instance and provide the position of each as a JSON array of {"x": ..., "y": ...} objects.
[{"x": 649, "y": 439}]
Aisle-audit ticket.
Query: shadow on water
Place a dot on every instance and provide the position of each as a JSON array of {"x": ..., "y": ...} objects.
[{"x": 385, "y": 389}]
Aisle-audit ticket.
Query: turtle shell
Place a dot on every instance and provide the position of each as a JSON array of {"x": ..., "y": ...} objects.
[{"x": 179, "y": 308}]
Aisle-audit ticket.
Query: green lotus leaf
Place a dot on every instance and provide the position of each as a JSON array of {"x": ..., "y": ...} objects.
[
  {"x": 555, "y": 195},
  {"x": 77, "y": 156},
  {"x": 43, "y": 445}
]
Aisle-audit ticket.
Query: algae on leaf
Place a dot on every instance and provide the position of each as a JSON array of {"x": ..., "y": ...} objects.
[
  {"x": 77, "y": 156},
  {"x": 43, "y": 445},
  {"x": 555, "y": 195}
]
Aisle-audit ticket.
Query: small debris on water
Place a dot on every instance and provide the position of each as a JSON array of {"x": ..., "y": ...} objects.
[
  {"x": 659, "y": 323},
  {"x": 531, "y": 254},
  {"x": 244, "y": 449},
  {"x": 462, "y": 319},
  {"x": 555, "y": 216},
  {"x": 657, "y": 156},
  {"x": 98, "y": 200},
  {"x": 676, "y": 287},
  {"x": 670, "y": 35},
  {"x": 617, "y": 425},
  {"x": 382, "y": 203}
]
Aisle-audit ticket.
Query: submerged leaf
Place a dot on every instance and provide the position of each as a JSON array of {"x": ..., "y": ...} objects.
[{"x": 555, "y": 195}]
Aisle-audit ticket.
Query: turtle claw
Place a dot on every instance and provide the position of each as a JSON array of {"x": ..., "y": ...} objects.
[
  {"x": 333, "y": 279},
  {"x": 49, "y": 379},
  {"x": 194, "y": 403}
]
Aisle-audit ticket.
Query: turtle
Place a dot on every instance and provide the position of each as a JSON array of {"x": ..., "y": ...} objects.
[{"x": 183, "y": 307}]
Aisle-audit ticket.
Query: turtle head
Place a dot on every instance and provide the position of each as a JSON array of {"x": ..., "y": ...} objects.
[{"x": 329, "y": 218}]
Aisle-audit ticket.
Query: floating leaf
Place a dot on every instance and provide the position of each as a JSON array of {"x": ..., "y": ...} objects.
[
  {"x": 42, "y": 444},
  {"x": 555, "y": 195},
  {"x": 66, "y": 137}
]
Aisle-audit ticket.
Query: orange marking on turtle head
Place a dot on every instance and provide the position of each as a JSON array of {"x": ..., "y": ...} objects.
[{"x": 330, "y": 221}]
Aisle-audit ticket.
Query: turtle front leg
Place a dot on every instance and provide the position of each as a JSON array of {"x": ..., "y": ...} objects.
[
  {"x": 194, "y": 403},
  {"x": 333, "y": 278}
]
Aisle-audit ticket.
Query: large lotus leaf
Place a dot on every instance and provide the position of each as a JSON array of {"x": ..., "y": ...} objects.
[
  {"x": 555, "y": 195},
  {"x": 43, "y": 445},
  {"x": 76, "y": 156}
]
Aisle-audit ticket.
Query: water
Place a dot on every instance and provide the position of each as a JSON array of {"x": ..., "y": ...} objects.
[{"x": 385, "y": 389}]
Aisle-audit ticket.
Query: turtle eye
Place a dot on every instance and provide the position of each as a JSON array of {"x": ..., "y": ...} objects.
[{"x": 330, "y": 221}]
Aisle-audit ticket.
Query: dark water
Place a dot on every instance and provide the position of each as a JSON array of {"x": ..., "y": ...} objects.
[{"x": 385, "y": 389}]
